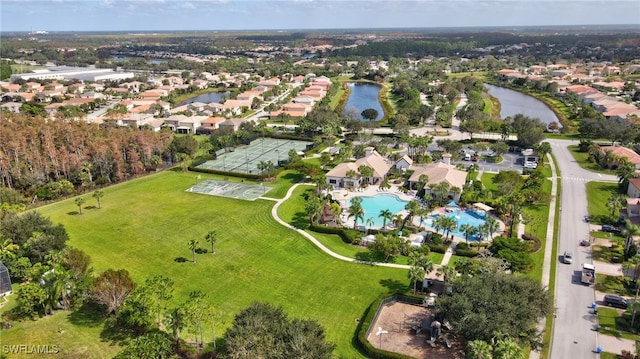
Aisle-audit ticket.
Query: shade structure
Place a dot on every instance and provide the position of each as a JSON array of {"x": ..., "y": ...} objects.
[
  {"x": 483, "y": 207},
  {"x": 5, "y": 280}
]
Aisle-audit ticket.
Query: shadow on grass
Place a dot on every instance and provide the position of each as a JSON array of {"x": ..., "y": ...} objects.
[
  {"x": 292, "y": 177},
  {"x": 201, "y": 251},
  {"x": 181, "y": 260},
  {"x": 91, "y": 207},
  {"x": 73, "y": 213},
  {"x": 88, "y": 316},
  {"x": 300, "y": 220},
  {"x": 393, "y": 285}
]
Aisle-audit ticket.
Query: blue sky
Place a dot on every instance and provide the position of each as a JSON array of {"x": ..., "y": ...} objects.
[{"x": 123, "y": 15}]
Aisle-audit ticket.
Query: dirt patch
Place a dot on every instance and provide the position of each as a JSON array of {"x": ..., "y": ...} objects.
[{"x": 397, "y": 320}]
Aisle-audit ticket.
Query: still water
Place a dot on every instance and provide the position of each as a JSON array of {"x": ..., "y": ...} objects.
[
  {"x": 362, "y": 97},
  {"x": 513, "y": 102}
]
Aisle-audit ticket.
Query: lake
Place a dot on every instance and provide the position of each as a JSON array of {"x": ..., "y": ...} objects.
[
  {"x": 513, "y": 102},
  {"x": 208, "y": 97},
  {"x": 362, "y": 97}
]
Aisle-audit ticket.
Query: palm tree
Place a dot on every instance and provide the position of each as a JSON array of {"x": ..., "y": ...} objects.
[
  {"x": 420, "y": 260},
  {"x": 625, "y": 172},
  {"x": 492, "y": 226},
  {"x": 507, "y": 349},
  {"x": 386, "y": 215},
  {"x": 416, "y": 273},
  {"x": 630, "y": 230},
  {"x": 98, "y": 194},
  {"x": 447, "y": 272},
  {"x": 79, "y": 202},
  {"x": 193, "y": 245},
  {"x": 314, "y": 207},
  {"x": 468, "y": 231},
  {"x": 366, "y": 172},
  {"x": 356, "y": 211},
  {"x": 450, "y": 224},
  {"x": 212, "y": 237},
  {"x": 614, "y": 204},
  {"x": 370, "y": 223},
  {"x": 176, "y": 321}
]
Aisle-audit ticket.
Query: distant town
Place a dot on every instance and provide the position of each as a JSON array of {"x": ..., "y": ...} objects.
[{"x": 400, "y": 193}]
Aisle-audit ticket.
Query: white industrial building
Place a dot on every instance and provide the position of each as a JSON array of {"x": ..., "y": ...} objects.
[{"x": 77, "y": 73}]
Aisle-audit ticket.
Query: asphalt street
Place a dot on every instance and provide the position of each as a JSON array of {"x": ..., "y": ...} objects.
[{"x": 573, "y": 335}]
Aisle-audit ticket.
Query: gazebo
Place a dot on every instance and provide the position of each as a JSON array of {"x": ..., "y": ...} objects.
[{"x": 483, "y": 207}]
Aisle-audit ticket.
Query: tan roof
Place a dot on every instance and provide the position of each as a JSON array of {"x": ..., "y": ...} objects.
[
  {"x": 377, "y": 162},
  {"x": 342, "y": 169},
  {"x": 440, "y": 172}
]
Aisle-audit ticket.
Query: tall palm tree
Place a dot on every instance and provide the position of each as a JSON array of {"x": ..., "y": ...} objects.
[
  {"x": 370, "y": 223},
  {"x": 448, "y": 273},
  {"x": 212, "y": 237},
  {"x": 468, "y": 230},
  {"x": 386, "y": 215},
  {"x": 625, "y": 172},
  {"x": 450, "y": 225},
  {"x": 176, "y": 321},
  {"x": 630, "y": 230},
  {"x": 492, "y": 226},
  {"x": 416, "y": 273},
  {"x": 79, "y": 202},
  {"x": 614, "y": 204},
  {"x": 314, "y": 207},
  {"x": 356, "y": 211},
  {"x": 98, "y": 194},
  {"x": 193, "y": 245}
]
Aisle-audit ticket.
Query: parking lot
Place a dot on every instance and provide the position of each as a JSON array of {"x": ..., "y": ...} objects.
[{"x": 511, "y": 161}]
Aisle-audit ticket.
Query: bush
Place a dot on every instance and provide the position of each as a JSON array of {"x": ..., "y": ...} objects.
[
  {"x": 461, "y": 245},
  {"x": 470, "y": 253},
  {"x": 347, "y": 235},
  {"x": 437, "y": 248}
]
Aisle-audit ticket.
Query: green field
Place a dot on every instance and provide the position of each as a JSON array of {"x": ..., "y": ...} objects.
[{"x": 144, "y": 226}]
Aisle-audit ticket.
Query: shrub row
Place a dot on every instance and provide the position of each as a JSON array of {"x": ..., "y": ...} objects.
[
  {"x": 467, "y": 253},
  {"x": 437, "y": 248},
  {"x": 347, "y": 235}
]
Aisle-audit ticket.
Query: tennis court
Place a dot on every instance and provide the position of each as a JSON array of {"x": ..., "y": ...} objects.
[
  {"x": 245, "y": 159},
  {"x": 247, "y": 192}
]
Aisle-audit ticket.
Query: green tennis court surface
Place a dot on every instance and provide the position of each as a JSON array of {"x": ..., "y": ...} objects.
[
  {"x": 247, "y": 192},
  {"x": 245, "y": 159}
]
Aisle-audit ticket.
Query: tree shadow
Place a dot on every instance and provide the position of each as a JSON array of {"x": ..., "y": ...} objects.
[
  {"x": 393, "y": 285},
  {"x": 114, "y": 334},
  {"x": 88, "y": 316},
  {"x": 181, "y": 260},
  {"x": 300, "y": 220},
  {"x": 91, "y": 207},
  {"x": 73, "y": 213},
  {"x": 201, "y": 251}
]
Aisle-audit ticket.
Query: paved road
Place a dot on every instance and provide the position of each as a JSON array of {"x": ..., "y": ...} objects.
[{"x": 572, "y": 334}]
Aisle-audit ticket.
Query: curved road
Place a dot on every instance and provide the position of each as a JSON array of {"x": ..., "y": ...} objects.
[{"x": 573, "y": 336}]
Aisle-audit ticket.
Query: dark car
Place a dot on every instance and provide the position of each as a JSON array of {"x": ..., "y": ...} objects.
[
  {"x": 610, "y": 228},
  {"x": 615, "y": 301}
]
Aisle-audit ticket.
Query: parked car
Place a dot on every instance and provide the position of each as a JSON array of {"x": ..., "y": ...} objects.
[
  {"x": 616, "y": 301},
  {"x": 530, "y": 165},
  {"x": 610, "y": 228},
  {"x": 567, "y": 257}
]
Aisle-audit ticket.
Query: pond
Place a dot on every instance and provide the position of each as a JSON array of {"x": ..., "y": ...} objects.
[
  {"x": 513, "y": 102},
  {"x": 363, "y": 96},
  {"x": 205, "y": 98}
]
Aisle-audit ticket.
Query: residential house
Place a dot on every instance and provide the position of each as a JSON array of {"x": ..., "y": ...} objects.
[
  {"x": 624, "y": 152},
  {"x": 633, "y": 190},
  {"x": 184, "y": 124},
  {"x": 404, "y": 163},
  {"x": 11, "y": 106},
  {"x": 233, "y": 124},
  {"x": 338, "y": 177},
  {"x": 210, "y": 124}
]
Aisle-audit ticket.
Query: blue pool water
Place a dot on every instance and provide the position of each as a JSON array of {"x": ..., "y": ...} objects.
[
  {"x": 465, "y": 216},
  {"x": 373, "y": 205}
]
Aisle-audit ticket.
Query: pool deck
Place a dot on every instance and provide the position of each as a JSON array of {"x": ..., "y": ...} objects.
[{"x": 343, "y": 196}]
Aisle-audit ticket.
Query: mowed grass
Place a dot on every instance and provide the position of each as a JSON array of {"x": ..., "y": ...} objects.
[
  {"x": 144, "y": 226},
  {"x": 598, "y": 193}
]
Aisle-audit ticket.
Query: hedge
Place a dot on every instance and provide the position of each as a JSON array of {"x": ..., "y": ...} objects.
[
  {"x": 467, "y": 253},
  {"x": 347, "y": 235},
  {"x": 437, "y": 248}
]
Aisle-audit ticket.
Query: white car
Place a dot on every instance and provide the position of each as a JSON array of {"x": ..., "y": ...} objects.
[
  {"x": 530, "y": 165},
  {"x": 567, "y": 257}
]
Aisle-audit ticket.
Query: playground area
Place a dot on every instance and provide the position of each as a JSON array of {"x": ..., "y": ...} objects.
[
  {"x": 235, "y": 190},
  {"x": 406, "y": 331},
  {"x": 245, "y": 159}
]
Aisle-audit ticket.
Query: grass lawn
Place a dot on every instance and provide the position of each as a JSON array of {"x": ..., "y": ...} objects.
[
  {"x": 612, "y": 285},
  {"x": 486, "y": 179},
  {"x": 583, "y": 161},
  {"x": 612, "y": 323},
  {"x": 598, "y": 194},
  {"x": 144, "y": 226}
]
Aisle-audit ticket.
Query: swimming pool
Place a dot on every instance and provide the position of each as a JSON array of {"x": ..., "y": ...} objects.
[
  {"x": 466, "y": 216},
  {"x": 374, "y": 204}
]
